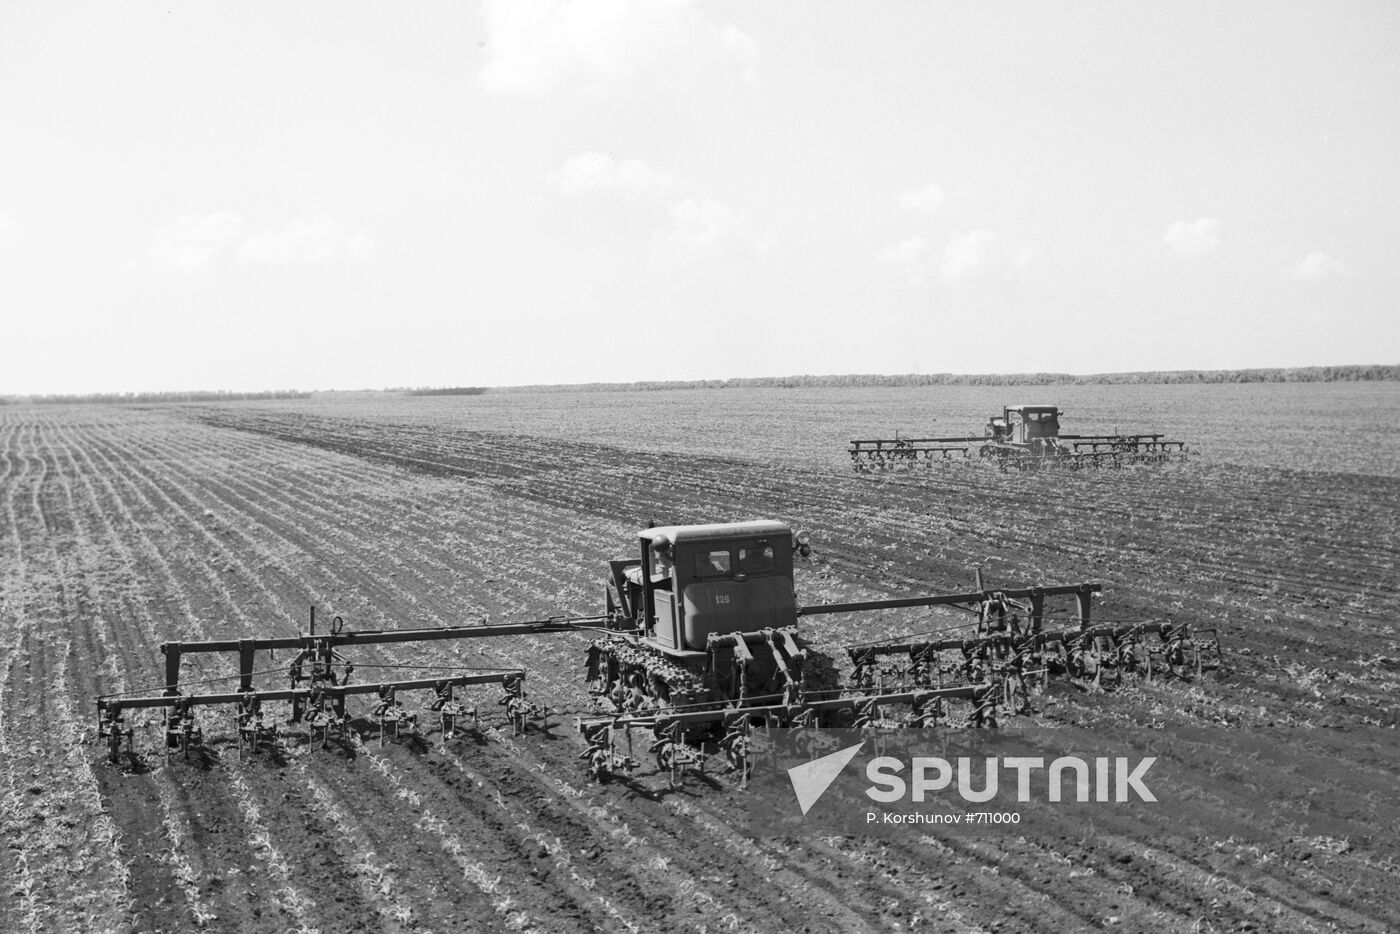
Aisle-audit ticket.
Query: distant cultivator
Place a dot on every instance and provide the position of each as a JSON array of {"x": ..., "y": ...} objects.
[
  {"x": 1022, "y": 437},
  {"x": 699, "y": 644}
]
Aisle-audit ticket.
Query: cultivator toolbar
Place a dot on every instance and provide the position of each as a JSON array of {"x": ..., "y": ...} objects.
[{"x": 1023, "y": 437}]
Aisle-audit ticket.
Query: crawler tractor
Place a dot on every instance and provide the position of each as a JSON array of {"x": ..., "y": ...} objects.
[
  {"x": 1021, "y": 437},
  {"x": 706, "y": 614},
  {"x": 702, "y": 627}
]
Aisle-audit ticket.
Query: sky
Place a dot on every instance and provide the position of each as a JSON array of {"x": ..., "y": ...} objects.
[{"x": 357, "y": 195}]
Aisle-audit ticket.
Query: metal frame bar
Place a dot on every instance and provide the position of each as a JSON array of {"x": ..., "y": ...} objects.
[
  {"x": 1036, "y": 594},
  {"x": 337, "y": 692},
  {"x": 325, "y": 643}
]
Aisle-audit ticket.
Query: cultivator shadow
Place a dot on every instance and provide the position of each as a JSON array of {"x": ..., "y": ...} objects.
[
  {"x": 1023, "y": 437},
  {"x": 319, "y": 683}
]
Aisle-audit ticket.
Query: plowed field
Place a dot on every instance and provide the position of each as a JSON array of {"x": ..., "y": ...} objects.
[{"x": 124, "y": 527}]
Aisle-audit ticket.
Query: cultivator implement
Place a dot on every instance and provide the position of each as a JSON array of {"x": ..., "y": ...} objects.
[
  {"x": 320, "y": 710},
  {"x": 700, "y": 645},
  {"x": 1023, "y": 437},
  {"x": 899, "y": 453},
  {"x": 1023, "y": 662},
  {"x": 318, "y": 685}
]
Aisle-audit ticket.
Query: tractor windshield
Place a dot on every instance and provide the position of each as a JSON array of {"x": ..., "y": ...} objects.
[
  {"x": 712, "y": 563},
  {"x": 756, "y": 560}
]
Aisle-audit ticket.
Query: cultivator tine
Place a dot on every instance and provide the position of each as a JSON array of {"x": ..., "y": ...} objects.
[
  {"x": 604, "y": 761},
  {"x": 1014, "y": 694},
  {"x": 450, "y": 710},
  {"x": 1213, "y": 655},
  {"x": 113, "y": 730},
  {"x": 736, "y": 745},
  {"x": 984, "y": 712},
  {"x": 251, "y": 726},
  {"x": 181, "y": 729},
  {"x": 928, "y": 710},
  {"x": 519, "y": 711},
  {"x": 673, "y": 754},
  {"x": 867, "y": 714}
]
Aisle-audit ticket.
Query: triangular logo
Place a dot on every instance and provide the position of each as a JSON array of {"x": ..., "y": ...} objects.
[{"x": 811, "y": 779}]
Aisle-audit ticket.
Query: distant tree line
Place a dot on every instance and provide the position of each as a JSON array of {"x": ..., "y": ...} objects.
[
  {"x": 118, "y": 398},
  {"x": 1308, "y": 374},
  {"x": 449, "y": 391}
]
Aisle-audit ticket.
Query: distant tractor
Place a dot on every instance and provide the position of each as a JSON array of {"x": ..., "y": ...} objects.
[{"x": 1022, "y": 436}]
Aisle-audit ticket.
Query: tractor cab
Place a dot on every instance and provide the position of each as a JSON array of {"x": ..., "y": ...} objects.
[
  {"x": 1025, "y": 424},
  {"x": 692, "y": 581}
]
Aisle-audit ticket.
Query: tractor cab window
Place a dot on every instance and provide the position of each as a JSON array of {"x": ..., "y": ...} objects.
[
  {"x": 756, "y": 560},
  {"x": 712, "y": 563},
  {"x": 662, "y": 559}
]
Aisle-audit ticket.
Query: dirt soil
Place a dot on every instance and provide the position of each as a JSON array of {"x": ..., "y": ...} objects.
[{"x": 122, "y": 528}]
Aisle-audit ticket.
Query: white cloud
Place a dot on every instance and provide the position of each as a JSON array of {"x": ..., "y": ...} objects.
[
  {"x": 913, "y": 256},
  {"x": 1193, "y": 238},
  {"x": 1317, "y": 265},
  {"x": 600, "y": 173},
  {"x": 927, "y": 200},
  {"x": 537, "y": 46},
  {"x": 710, "y": 229},
  {"x": 192, "y": 243},
  {"x": 981, "y": 256},
  {"x": 313, "y": 240}
]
